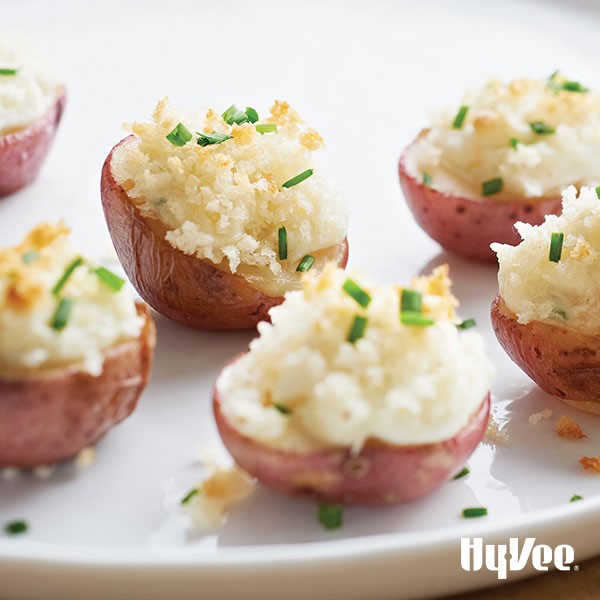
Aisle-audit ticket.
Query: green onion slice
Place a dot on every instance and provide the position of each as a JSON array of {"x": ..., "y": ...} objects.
[
  {"x": 266, "y": 128},
  {"x": 306, "y": 264},
  {"x": 331, "y": 516},
  {"x": 598, "y": 191},
  {"x": 110, "y": 279},
  {"x": 491, "y": 186},
  {"x": 234, "y": 115},
  {"x": 469, "y": 513},
  {"x": 462, "y": 473},
  {"x": 411, "y": 301},
  {"x": 575, "y": 497},
  {"x": 193, "y": 492},
  {"x": 574, "y": 86},
  {"x": 556, "y": 244},
  {"x": 355, "y": 291},
  {"x": 298, "y": 179},
  {"x": 29, "y": 257},
  {"x": 251, "y": 114},
  {"x": 180, "y": 136},
  {"x": 460, "y": 117},
  {"x": 541, "y": 128},
  {"x": 427, "y": 179},
  {"x": 282, "y": 243},
  {"x": 60, "y": 318},
  {"x": 357, "y": 329},
  {"x": 65, "y": 276},
  {"x": 514, "y": 142},
  {"x": 415, "y": 318},
  {"x": 282, "y": 408},
  {"x": 211, "y": 139},
  {"x": 16, "y": 527},
  {"x": 467, "y": 324},
  {"x": 9, "y": 72}
]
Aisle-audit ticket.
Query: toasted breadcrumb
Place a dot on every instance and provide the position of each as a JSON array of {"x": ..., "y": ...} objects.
[
  {"x": 85, "y": 458},
  {"x": 567, "y": 428},
  {"x": 43, "y": 473},
  {"x": 535, "y": 418},
  {"x": 494, "y": 434},
  {"x": 590, "y": 463},
  {"x": 10, "y": 473}
]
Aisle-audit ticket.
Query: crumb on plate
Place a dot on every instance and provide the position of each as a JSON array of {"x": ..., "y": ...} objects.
[
  {"x": 567, "y": 428},
  {"x": 590, "y": 463},
  {"x": 535, "y": 418}
]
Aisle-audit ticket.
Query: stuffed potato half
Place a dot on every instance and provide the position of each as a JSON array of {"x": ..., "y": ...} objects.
[{"x": 363, "y": 403}]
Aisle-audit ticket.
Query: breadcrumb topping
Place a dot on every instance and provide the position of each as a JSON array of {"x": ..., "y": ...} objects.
[
  {"x": 567, "y": 428},
  {"x": 535, "y": 418},
  {"x": 590, "y": 463}
]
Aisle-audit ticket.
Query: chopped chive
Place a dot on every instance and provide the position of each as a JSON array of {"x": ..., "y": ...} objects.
[
  {"x": 110, "y": 279},
  {"x": 554, "y": 75},
  {"x": 282, "y": 408},
  {"x": 355, "y": 291},
  {"x": 575, "y": 497},
  {"x": 193, "y": 492},
  {"x": 427, "y": 179},
  {"x": 16, "y": 527},
  {"x": 469, "y": 513},
  {"x": 574, "y": 86},
  {"x": 298, "y": 179},
  {"x": 266, "y": 128},
  {"x": 514, "y": 142},
  {"x": 331, "y": 516},
  {"x": 467, "y": 324},
  {"x": 60, "y": 318},
  {"x": 180, "y": 136},
  {"x": 556, "y": 244},
  {"x": 5, "y": 71},
  {"x": 29, "y": 257},
  {"x": 357, "y": 329},
  {"x": 65, "y": 276},
  {"x": 306, "y": 264},
  {"x": 251, "y": 114},
  {"x": 541, "y": 128},
  {"x": 598, "y": 191},
  {"x": 460, "y": 117},
  {"x": 411, "y": 301},
  {"x": 415, "y": 318},
  {"x": 491, "y": 186},
  {"x": 282, "y": 243},
  {"x": 211, "y": 139},
  {"x": 234, "y": 115},
  {"x": 462, "y": 473}
]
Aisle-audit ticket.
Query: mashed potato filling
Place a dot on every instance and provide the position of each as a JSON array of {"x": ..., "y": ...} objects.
[
  {"x": 99, "y": 318},
  {"x": 225, "y": 202},
  {"x": 566, "y": 292},
  {"x": 537, "y": 136},
  {"x": 303, "y": 386},
  {"x": 28, "y": 87}
]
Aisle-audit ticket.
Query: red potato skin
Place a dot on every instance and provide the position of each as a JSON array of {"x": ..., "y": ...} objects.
[
  {"x": 467, "y": 226},
  {"x": 379, "y": 475},
  {"x": 563, "y": 362},
  {"x": 23, "y": 152},
  {"x": 51, "y": 416},
  {"x": 183, "y": 288}
]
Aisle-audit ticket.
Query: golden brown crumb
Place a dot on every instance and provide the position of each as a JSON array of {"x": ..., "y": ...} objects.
[
  {"x": 567, "y": 428},
  {"x": 535, "y": 418},
  {"x": 590, "y": 463},
  {"x": 311, "y": 140},
  {"x": 582, "y": 249},
  {"x": 85, "y": 458},
  {"x": 495, "y": 435}
]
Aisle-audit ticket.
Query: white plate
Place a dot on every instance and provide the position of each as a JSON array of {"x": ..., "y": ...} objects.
[{"x": 366, "y": 75}]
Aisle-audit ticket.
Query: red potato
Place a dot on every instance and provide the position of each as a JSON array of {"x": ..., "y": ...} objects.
[
  {"x": 22, "y": 152},
  {"x": 380, "y": 474},
  {"x": 467, "y": 226},
  {"x": 562, "y": 361},
  {"x": 182, "y": 287},
  {"x": 51, "y": 415}
]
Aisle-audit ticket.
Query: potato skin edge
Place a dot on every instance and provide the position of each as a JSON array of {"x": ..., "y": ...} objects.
[
  {"x": 467, "y": 226},
  {"x": 563, "y": 362},
  {"x": 381, "y": 474},
  {"x": 183, "y": 288},
  {"x": 50, "y": 416}
]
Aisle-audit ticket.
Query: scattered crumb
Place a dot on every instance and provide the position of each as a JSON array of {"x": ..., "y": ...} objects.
[
  {"x": 217, "y": 495},
  {"x": 85, "y": 458},
  {"x": 43, "y": 473},
  {"x": 590, "y": 462},
  {"x": 10, "y": 473},
  {"x": 494, "y": 434},
  {"x": 535, "y": 418},
  {"x": 567, "y": 428}
]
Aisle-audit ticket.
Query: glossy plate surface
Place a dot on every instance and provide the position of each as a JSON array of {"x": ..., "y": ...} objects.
[{"x": 366, "y": 76}]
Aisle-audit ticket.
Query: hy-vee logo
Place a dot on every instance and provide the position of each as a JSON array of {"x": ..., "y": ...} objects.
[{"x": 513, "y": 557}]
